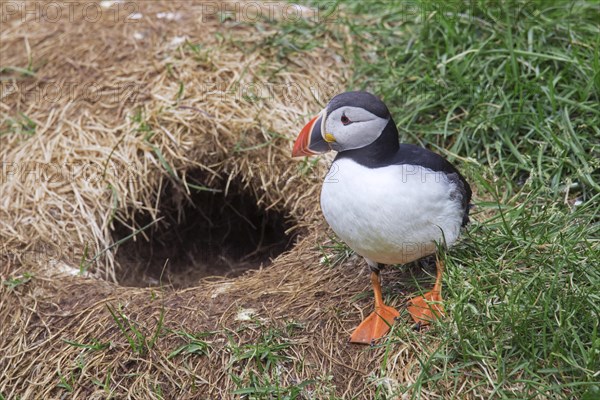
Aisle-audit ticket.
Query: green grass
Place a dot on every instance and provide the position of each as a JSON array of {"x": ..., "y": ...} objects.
[
  {"x": 510, "y": 92},
  {"x": 68, "y": 381},
  {"x": 23, "y": 125},
  {"x": 139, "y": 341},
  {"x": 255, "y": 367},
  {"x": 193, "y": 344},
  {"x": 15, "y": 282}
]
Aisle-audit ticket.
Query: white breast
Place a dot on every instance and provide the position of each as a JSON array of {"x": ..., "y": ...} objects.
[{"x": 391, "y": 215}]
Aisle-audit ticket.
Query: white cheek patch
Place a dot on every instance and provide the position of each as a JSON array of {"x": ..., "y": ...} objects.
[{"x": 363, "y": 130}]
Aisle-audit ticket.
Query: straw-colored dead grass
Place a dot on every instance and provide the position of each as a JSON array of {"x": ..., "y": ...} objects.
[{"x": 161, "y": 115}]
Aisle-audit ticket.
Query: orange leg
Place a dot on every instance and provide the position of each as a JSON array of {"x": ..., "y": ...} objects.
[
  {"x": 379, "y": 322},
  {"x": 424, "y": 309}
]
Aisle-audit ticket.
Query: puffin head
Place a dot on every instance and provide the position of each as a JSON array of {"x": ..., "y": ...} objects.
[{"x": 350, "y": 121}]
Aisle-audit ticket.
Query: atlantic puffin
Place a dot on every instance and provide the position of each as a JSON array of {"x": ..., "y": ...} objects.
[{"x": 391, "y": 203}]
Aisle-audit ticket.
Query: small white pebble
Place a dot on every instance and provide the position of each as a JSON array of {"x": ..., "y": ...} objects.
[
  {"x": 245, "y": 314},
  {"x": 222, "y": 288},
  {"x": 138, "y": 36},
  {"x": 109, "y": 3},
  {"x": 136, "y": 15},
  {"x": 65, "y": 269},
  {"x": 169, "y": 16},
  {"x": 177, "y": 40}
]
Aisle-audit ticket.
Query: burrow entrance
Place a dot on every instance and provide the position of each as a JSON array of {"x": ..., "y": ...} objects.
[{"x": 214, "y": 234}]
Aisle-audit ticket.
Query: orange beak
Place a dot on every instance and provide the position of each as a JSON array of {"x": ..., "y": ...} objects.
[
  {"x": 310, "y": 142},
  {"x": 303, "y": 140}
]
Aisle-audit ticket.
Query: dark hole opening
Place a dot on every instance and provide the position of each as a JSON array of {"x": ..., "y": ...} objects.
[{"x": 216, "y": 234}]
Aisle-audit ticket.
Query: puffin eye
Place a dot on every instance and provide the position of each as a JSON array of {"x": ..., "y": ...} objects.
[{"x": 345, "y": 120}]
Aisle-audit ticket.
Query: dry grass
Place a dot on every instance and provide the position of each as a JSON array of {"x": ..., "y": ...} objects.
[
  {"x": 156, "y": 119},
  {"x": 80, "y": 167}
]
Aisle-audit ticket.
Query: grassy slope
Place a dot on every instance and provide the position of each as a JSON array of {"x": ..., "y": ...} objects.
[{"x": 510, "y": 93}]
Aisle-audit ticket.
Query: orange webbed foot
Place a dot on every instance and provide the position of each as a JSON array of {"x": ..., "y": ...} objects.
[
  {"x": 427, "y": 308},
  {"x": 378, "y": 323},
  {"x": 375, "y": 326}
]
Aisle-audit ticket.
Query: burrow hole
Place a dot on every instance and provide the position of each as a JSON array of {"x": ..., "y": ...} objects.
[{"x": 214, "y": 234}]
